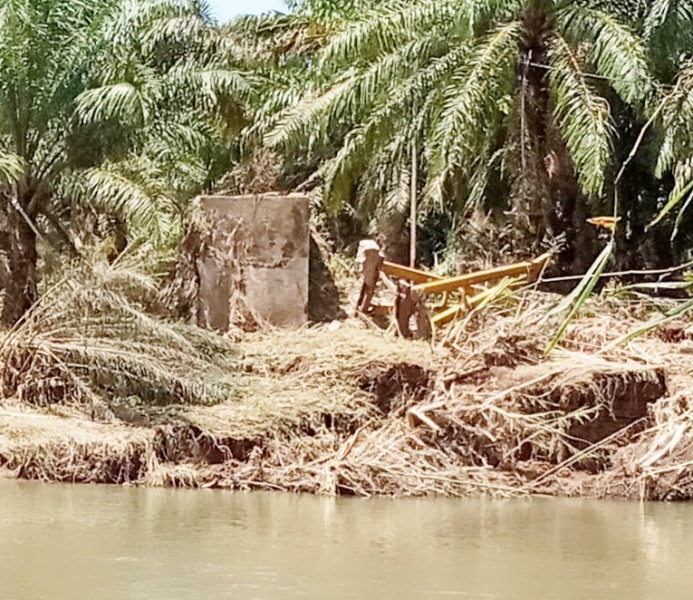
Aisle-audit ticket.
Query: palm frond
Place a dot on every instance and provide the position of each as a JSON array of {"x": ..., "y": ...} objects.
[
  {"x": 210, "y": 79},
  {"x": 480, "y": 16},
  {"x": 472, "y": 110},
  {"x": 146, "y": 209},
  {"x": 583, "y": 117},
  {"x": 294, "y": 123},
  {"x": 133, "y": 20},
  {"x": 189, "y": 29},
  {"x": 12, "y": 168},
  {"x": 657, "y": 15},
  {"x": 677, "y": 122},
  {"x": 385, "y": 28},
  {"x": 390, "y": 198},
  {"x": 355, "y": 95},
  {"x": 272, "y": 109},
  {"x": 89, "y": 341},
  {"x": 668, "y": 31},
  {"x": 615, "y": 49},
  {"x": 120, "y": 102},
  {"x": 269, "y": 39},
  {"x": 683, "y": 178},
  {"x": 215, "y": 81},
  {"x": 402, "y": 115}
]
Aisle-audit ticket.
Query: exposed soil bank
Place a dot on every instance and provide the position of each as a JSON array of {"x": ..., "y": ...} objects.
[{"x": 355, "y": 412}]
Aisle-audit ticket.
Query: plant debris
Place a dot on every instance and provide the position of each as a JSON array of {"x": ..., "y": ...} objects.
[{"x": 351, "y": 410}]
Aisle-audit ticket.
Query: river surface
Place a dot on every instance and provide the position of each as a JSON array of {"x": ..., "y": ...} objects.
[{"x": 64, "y": 542}]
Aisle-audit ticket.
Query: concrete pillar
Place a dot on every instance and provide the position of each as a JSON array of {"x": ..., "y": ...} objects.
[{"x": 258, "y": 250}]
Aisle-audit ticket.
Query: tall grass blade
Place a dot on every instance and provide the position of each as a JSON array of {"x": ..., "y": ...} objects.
[
  {"x": 574, "y": 301},
  {"x": 673, "y": 201},
  {"x": 668, "y": 316}
]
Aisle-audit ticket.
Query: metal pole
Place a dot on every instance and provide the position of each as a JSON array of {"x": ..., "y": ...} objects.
[{"x": 412, "y": 216}]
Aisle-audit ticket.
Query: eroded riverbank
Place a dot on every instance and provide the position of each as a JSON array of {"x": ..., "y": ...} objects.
[{"x": 354, "y": 412}]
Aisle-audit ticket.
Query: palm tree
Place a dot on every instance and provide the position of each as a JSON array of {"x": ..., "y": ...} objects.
[
  {"x": 668, "y": 32},
  {"x": 516, "y": 90},
  {"x": 85, "y": 87}
]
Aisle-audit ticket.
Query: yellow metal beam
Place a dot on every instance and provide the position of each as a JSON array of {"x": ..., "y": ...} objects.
[
  {"x": 413, "y": 275},
  {"x": 447, "y": 315},
  {"x": 529, "y": 269},
  {"x": 470, "y": 302}
]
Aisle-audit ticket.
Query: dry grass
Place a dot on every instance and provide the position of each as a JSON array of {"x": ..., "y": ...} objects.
[
  {"x": 354, "y": 411},
  {"x": 48, "y": 447},
  {"x": 91, "y": 341},
  {"x": 293, "y": 380}
]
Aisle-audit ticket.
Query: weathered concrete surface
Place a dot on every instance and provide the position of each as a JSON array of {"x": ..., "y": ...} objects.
[{"x": 258, "y": 253}]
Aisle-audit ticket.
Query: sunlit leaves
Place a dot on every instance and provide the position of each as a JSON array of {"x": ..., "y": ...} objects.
[
  {"x": 138, "y": 200},
  {"x": 384, "y": 29},
  {"x": 11, "y": 168},
  {"x": 387, "y": 132},
  {"x": 122, "y": 102},
  {"x": 458, "y": 137},
  {"x": 362, "y": 97},
  {"x": 614, "y": 48},
  {"x": 582, "y": 116},
  {"x": 127, "y": 105}
]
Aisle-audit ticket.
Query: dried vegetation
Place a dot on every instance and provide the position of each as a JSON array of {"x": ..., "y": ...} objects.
[
  {"x": 349, "y": 409},
  {"x": 94, "y": 340}
]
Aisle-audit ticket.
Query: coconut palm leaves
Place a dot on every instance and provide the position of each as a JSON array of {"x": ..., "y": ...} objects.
[
  {"x": 125, "y": 104},
  {"x": 669, "y": 32},
  {"x": 448, "y": 74}
]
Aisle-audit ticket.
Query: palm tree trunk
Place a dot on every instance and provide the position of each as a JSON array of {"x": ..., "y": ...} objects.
[
  {"x": 549, "y": 206},
  {"x": 393, "y": 234},
  {"x": 20, "y": 293},
  {"x": 531, "y": 180}
]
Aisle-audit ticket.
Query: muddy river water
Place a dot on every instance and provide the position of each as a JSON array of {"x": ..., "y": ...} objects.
[{"x": 64, "y": 542}]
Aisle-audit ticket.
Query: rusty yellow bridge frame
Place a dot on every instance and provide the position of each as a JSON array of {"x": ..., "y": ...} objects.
[{"x": 414, "y": 285}]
